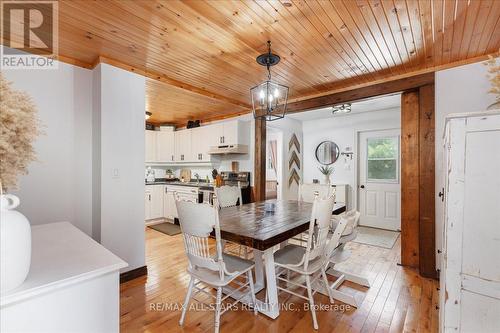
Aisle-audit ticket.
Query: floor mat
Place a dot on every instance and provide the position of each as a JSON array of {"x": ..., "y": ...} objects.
[
  {"x": 167, "y": 228},
  {"x": 376, "y": 237}
]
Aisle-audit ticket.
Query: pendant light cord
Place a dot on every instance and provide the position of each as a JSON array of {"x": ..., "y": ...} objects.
[{"x": 268, "y": 60}]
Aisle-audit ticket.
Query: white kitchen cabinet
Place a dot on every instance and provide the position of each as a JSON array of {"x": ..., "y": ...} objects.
[
  {"x": 185, "y": 193},
  {"x": 201, "y": 141},
  {"x": 151, "y": 139},
  {"x": 169, "y": 208},
  {"x": 147, "y": 203},
  {"x": 165, "y": 146},
  {"x": 154, "y": 201},
  {"x": 228, "y": 133},
  {"x": 231, "y": 133},
  {"x": 470, "y": 250},
  {"x": 183, "y": 146}
]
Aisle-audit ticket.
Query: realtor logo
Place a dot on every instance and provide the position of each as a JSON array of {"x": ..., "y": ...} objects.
[{"x": 29, "y": 34}]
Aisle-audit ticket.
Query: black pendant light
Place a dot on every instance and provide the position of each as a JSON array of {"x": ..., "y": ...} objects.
[{"x": 269, "y": 99}]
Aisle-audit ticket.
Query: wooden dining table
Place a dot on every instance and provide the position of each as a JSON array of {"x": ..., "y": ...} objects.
[{"x": 262, "y": 226}]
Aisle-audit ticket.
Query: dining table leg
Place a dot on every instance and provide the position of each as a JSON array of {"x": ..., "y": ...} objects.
[{"x": 264, "y": 266}]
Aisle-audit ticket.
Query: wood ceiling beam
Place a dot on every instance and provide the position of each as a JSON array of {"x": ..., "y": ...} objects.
[
  {"x": 171, "y": 81},
  {"x": 379, "y": 89}
]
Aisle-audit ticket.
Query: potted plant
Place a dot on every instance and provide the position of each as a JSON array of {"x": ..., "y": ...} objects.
[
  {"x": 18, "y": 130},
  {"x": 326, "y": 171}
]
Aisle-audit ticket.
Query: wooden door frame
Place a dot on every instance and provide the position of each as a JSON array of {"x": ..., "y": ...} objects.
[{"x": 417, "y": 163}]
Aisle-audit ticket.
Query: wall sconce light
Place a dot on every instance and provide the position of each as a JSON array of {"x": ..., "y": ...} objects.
[{"x": 348, "y": 154}]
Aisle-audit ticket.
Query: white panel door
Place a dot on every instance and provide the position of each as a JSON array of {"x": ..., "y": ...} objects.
[{"x": 379, "y": 184}]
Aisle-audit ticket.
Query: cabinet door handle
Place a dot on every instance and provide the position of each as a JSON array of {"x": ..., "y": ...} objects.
[
  {"x": 223, "y": 139},
  {"x": 149, "y": 197}
]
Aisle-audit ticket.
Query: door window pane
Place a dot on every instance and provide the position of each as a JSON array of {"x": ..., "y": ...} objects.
[{"x": 382, "y": 159}]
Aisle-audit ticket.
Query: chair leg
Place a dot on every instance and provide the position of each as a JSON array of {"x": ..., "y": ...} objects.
[
  {"x": 252, "y": 291},
  {"x": 325, "y": 280},
  {"x": 186, "y": 301},
  {"x": 217, "y": 309},
  {"x": 311, "y": 301}
]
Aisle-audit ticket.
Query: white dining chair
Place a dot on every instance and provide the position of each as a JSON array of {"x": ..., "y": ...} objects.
[
  {"x": 307, "y": 193},
  {"x": 310, "y": 261},
  {"x": 230, "y": 196},
  {"x": 209, "y": 265},
  {"x": 340, "y": 254}
]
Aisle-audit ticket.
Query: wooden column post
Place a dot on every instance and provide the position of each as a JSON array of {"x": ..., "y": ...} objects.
[
  {"x": 427, "y": 216},
  {"x": 410, "y": 179},
  {"x": 259, "y": 190}
]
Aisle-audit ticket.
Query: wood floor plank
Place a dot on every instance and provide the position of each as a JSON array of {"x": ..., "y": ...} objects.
[{"x": 398, "y": 300}]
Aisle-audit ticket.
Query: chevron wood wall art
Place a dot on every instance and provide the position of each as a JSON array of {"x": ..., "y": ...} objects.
[
  {"x": 294, "y": 176},
  {"x": 294, "y": 142},
  {"x": 294, "y": 159}
]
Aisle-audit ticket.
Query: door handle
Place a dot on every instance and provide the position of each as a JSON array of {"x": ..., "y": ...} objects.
[{"x": 362, "y": 186}]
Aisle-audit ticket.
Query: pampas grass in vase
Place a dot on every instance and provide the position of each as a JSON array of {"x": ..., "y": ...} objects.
[
  {"x": 18, "y": 130},
  {"x": 494, "y": 77}
]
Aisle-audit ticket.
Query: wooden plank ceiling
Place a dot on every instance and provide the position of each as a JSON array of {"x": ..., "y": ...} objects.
[{"x": 200, "y": 55}]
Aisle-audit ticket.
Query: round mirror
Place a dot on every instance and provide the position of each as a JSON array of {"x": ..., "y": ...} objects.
[{"x": 327, "y": 152}]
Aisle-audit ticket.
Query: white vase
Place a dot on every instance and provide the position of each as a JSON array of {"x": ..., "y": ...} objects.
[
  {"x": 15, "y": 244},
  {"x": 327, "y": 179}
]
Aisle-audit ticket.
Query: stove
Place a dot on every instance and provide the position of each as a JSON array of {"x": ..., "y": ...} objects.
[{"x": 232, "y": 179}]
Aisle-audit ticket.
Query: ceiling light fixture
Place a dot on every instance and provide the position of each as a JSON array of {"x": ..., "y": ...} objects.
[
  {"x": 269, "y": 99},
  {"x": 148, "y": 114},
  {"x": 341, "y": 108}
]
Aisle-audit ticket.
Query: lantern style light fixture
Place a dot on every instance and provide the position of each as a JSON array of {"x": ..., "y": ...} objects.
[{"x": 269, "y": 99}]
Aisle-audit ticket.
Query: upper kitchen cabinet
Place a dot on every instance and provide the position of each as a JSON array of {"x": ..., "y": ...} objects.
[
  {"x": 165, "y": 145},
  {"x": 183, "y": 146},
  {"x": 229, "y": 133},
  {"x": 201, "y": 140},
  {"x": 151, "y": 151}
]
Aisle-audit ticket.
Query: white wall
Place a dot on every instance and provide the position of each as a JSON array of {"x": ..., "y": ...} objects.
[
  {"x": 459, "y": 89},
  {"x": 94, "y": 124},
  {"x": 58, "y": 186},
  {"x": 342, "y": 130},
  {"x": 122, "y": 105},
  {"x": 288, "y": 126}
]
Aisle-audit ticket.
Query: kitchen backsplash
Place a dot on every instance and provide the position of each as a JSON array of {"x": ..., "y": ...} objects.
[{"x": 202, "y": 171}]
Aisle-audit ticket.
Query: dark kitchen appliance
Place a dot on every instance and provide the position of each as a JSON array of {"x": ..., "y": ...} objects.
[{"x": 232, "y": 178}]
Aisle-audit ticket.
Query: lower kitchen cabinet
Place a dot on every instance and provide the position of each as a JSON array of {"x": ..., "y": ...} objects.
[
  {"x": 169, "y": 208},
  {"x": 154, "y": 201}
]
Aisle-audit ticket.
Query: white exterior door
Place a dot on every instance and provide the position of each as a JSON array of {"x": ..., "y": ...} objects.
[{"x": 379, "y": 186}]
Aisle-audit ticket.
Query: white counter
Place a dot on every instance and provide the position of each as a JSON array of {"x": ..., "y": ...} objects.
[{"x": 73, "y": 285}]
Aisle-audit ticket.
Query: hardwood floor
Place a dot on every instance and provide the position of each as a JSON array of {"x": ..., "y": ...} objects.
[{"x": 398, "y": 301}]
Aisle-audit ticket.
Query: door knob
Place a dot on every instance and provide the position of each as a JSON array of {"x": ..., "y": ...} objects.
[{"x": 362, "y": 186}]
